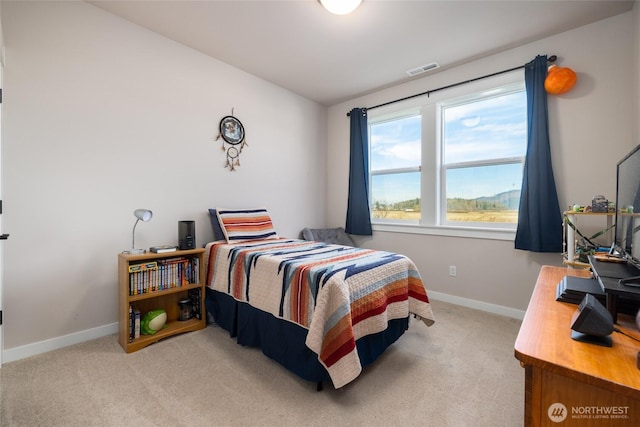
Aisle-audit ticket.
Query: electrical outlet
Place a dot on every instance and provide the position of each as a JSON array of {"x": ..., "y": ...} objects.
[{"x": 452, "y": 270}]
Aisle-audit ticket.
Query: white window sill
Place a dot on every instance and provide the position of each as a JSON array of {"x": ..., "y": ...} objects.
[{"x": 467, "y": 232}]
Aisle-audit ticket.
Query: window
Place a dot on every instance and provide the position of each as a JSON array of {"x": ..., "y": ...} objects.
[
  {"x": 450, "y": 162},
  {"x": 484, "y": 140},
  {"x": 395, "y": 169}
]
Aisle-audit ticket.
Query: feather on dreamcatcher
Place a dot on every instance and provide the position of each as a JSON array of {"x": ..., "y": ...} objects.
[{"x": 232, "y": 133}]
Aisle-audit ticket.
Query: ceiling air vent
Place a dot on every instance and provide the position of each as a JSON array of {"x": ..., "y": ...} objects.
[{"x": 423, "y": 69}]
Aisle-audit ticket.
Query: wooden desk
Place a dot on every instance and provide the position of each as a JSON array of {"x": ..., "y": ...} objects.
[{"x": 588, "y": 384}]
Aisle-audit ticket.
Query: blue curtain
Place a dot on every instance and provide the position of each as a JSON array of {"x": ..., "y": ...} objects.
[
  {"x": 358, "y": 213},
  {"x": 539, "y": 217}
]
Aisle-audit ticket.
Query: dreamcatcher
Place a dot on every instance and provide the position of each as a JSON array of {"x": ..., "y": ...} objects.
[{"x": 232, "y": 133}]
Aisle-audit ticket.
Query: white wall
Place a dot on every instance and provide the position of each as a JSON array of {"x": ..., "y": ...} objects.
[
  {"x": 636, "y": 68},
  {"x": 1, "y": 38},
  {"x": 591, "y": 128},
  {"x": 102, "y": 117},
  {"x": 1, "y": 245}
]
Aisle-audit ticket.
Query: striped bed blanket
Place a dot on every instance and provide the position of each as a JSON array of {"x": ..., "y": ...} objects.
[{"x": 338, "y": 293}]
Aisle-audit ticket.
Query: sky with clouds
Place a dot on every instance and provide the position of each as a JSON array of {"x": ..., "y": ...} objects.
[{"x": 478, "y": 131}]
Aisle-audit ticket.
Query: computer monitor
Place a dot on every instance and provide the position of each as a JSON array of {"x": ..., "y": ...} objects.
[
  {"x": 627, "y": 232},
  {"x": 627, "y": 236}
]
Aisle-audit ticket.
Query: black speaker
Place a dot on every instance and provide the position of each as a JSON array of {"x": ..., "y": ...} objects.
[
  {"x": 592, "y": 322},
  {"x": 187, "y": 234}
]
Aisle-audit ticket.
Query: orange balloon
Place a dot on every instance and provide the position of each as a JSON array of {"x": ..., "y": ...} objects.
[{"x": 560, "y": 80}]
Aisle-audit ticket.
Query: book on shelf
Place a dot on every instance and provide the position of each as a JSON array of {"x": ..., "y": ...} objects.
[
  {"x": 146, "y": 277},
  {"x": 131, "y": 323},
  {"x": 136, "y": 324},
  {"x": 196, "y": 303},
  {"x": 163, "y": 249},
  {"x": 143, "y": 266}
]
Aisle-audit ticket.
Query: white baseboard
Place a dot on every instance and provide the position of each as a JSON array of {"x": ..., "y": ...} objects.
[
  {"x": 29, "y": 350},
  {"x": 478, "y": 305},
  {"x": 40, "y": 347}
]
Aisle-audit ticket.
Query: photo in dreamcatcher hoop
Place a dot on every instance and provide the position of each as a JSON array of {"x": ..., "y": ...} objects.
[{"x": 232, "y": 133}]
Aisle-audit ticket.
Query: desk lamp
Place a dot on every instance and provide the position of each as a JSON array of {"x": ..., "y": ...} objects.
[{"x": 144, "y": 215}]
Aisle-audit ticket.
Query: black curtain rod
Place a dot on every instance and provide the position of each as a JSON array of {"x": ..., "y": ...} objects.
[{"x": 552, "y": 58}]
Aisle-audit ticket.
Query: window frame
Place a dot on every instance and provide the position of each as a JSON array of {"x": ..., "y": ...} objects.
[{"x": 432, "y": 170}]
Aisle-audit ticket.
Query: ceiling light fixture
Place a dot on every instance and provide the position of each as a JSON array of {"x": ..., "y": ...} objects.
[{"x": 340, "y": 7}]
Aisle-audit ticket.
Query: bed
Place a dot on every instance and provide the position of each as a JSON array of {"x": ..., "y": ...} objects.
[{"x": 323, "y": 311}]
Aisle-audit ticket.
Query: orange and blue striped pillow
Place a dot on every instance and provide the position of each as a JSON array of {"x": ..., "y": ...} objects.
[{"x": 242, "y": 225}]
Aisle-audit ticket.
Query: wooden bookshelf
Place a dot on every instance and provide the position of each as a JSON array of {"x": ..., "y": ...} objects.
[{"x": 166, "y": 299}]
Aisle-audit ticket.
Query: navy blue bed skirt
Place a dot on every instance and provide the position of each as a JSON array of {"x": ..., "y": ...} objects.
[{"x": 284, "y": 341}]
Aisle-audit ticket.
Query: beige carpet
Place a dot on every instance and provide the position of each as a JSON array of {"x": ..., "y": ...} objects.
[{"x": 459, "y": 372}]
